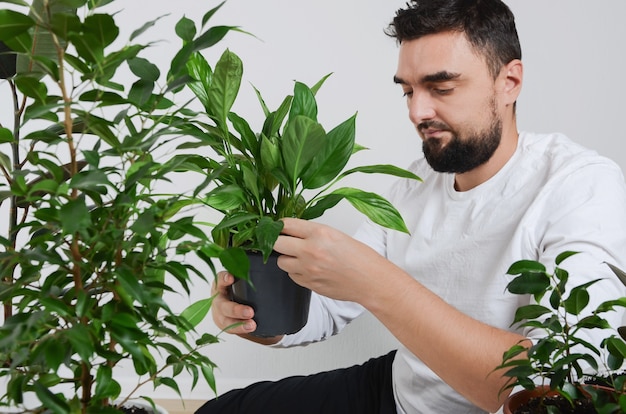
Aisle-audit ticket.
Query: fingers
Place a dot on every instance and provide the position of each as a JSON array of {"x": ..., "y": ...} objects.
[
  {"x": 235, "y": 318},
  {"x": 222, "y": 282},
  {"x": 296, "y": 227},
  {"x": 294, "y": 232}
]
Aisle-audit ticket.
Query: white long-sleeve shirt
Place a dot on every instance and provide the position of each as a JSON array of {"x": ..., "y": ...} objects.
[{"x": 552, "y": 195}]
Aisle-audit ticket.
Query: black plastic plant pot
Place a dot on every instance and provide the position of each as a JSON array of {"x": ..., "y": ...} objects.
[
  {"x": 280, "y": 305},
  {"x": 7, "y": 62}
]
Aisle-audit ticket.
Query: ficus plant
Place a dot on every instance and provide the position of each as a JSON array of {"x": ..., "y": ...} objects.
[
  {"x": 288, "y": 167},
  {"x": 97, "y": 234},
  {"x": 563, "y": 359}
]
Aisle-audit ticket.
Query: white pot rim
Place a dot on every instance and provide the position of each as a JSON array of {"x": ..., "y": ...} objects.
[{"x": 141, "y": 403}]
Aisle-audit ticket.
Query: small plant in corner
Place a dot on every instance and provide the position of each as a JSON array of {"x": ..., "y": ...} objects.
[{"x": 563, "y": 363}]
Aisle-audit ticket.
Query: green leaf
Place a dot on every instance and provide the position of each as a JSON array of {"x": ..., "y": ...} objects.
[
  {"x": 267, "y": 231},
  {"x": 185, "y": 29},
  {"x": 211, "y": 37},
  {"x": 13, "y": 23},
  {"x": 236, "y": 262},
  {"x": 530, "y": 312},
  {"x": 621, "y": 275},
  {"x": 225, "y": 85},
  {"x": 266, "y": 110},
  {"x": 250, "y": 177},
  {"x": 74, "y": 216},
  {"x": 562, "y": 256},
  {"x": 592, "y": 322},
  {"x": 322, "y": 204},
  {"x": 248, "y": 138},
  {"x": 100, "y": 127},
  {"x": 332, "y": 157},
  {"x": 140, "y": 92},
  {"x": 200, "y": 70},
  {"x": 529, "y": 283},
  {"x": 319, "y": 84},
  {"x": 144, "y": 69},
  {"x": 144, "y": 27},
  {"x": 386, "y": 169},
  {"x": 89, "y": 180},
  {"x": 209, "y": 376},
  {"x": 375, "y": 207},
  {"x": 130, "y": 286},
  {"x": 55, "y": 352},
  {"x": 50, "y": 400},
  {"x": 81, "y": 341},
  {"x": 233, "y": 220},
  {"x": 577, "y": 300},
  {"x": 102, "y": 29},
  {"x": 106, "y": 386},
  {"x": 197, "y": 311},
  {"x": 227, "y": 197},
  {"x": 616, "y": 346},
  {"x": 169, "y": 382},
  {"x": 274, "y": 120},
  {"x": 5, "y": 161},
  {"x": 302, "y": 141},
  {"x": 270, "y": 155},
  {"x": 207, "y": 16},
  {"x": 522, "y": 266},
  {"x": 144, "y": 224},
  {"x": 303, "y": 103},
  {"x": 33, "y": 88}
]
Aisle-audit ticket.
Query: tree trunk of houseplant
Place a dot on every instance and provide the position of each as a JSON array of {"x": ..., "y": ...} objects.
[{"x": 280, "y": 305}]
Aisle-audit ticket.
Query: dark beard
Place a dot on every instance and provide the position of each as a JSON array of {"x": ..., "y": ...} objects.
[{"x": 462, "y": 155}]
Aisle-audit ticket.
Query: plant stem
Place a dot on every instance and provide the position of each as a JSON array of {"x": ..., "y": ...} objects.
[
  {"x": 15, "y": 148},
  {"x": 86, "y": 377}
]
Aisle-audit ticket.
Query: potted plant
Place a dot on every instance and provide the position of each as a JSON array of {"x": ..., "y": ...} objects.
[
  {"x": 95, "y": 240},
  {"x": 288, "y": 168},
  {"x": 562, "y": 372}
]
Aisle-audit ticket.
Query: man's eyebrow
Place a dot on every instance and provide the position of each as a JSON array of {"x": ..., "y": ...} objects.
[
  {"x": 399, "y": 81},
  {"x": 441, "y": 76}
]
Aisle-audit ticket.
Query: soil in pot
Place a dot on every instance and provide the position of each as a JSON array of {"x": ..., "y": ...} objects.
[
  {"x": 536, "y": 402},
  {"x": 136, "y": 410},
  {"x": 536, "y": 406},
  {"x": 280, "y": 305}
]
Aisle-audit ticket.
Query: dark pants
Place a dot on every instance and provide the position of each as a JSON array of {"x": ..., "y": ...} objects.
[{"x": 361, "y": 389}]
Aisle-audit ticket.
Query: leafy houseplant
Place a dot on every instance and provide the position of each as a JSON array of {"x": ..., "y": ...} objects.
[
  {"x": 95, "y": 241},
  {"x": 287, "y": 169},
  {"x": 557, "y": 362}
]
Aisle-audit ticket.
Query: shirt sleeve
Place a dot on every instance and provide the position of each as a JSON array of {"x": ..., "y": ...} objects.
[{"x": 584, "y": 211}]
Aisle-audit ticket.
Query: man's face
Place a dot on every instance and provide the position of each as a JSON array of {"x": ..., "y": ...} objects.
[{"x": 452, "y": 101}]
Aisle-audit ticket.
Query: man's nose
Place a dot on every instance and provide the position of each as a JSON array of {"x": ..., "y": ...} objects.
[{"x": 421, "y": 107}]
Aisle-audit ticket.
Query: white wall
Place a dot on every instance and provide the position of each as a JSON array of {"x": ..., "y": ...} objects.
[{"x": 573, "y": 57}]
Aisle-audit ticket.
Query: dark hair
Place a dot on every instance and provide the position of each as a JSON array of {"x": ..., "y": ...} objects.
[{"x": 488, "y": 25}]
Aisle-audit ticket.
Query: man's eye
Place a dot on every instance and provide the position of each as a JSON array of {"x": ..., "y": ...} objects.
[
  {"x": 407, "y": 94},
  {"x": 441, "y": 91}
]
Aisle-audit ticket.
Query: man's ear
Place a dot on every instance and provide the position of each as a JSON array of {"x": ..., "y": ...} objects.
[{"x": 511, "y": 78}]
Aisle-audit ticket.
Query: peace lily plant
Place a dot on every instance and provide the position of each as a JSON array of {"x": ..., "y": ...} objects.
[
  {"x": 288, "y": 168},
  {"x": 94, "y": 241}
]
